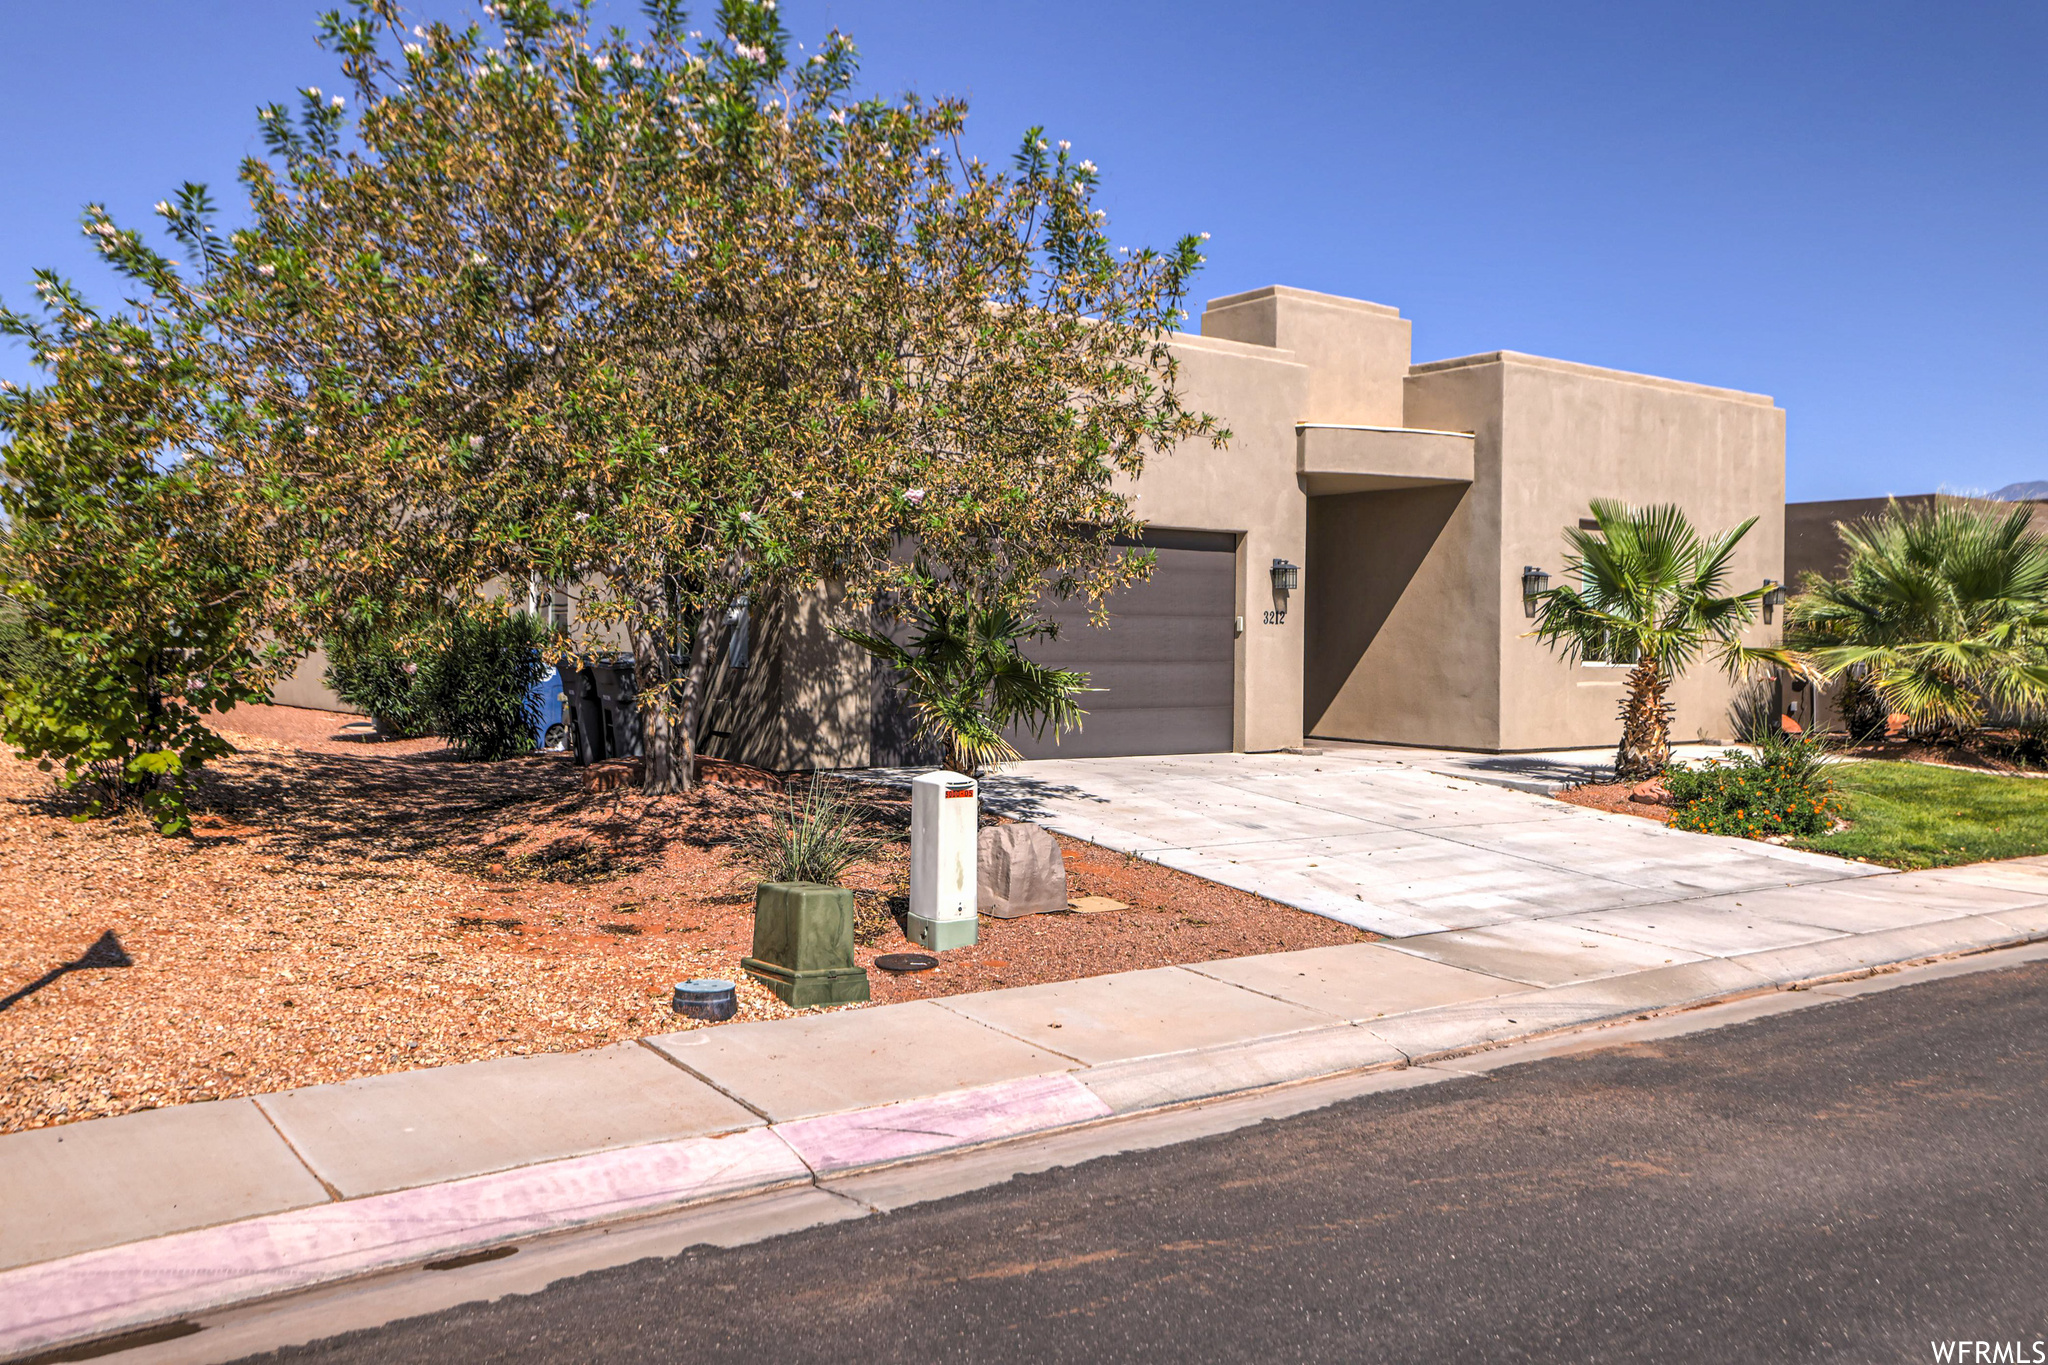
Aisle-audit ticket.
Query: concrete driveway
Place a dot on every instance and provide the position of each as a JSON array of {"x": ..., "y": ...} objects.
[{"x": 1389, "y": 845}]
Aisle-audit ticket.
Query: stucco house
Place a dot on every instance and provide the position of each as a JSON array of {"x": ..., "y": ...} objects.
[{"x": 1351, "y": 566}]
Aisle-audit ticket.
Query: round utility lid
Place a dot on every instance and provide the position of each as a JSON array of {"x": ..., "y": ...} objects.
[
  {"x": 704, "y": 986},
  {"x": 906, "y": 962}
]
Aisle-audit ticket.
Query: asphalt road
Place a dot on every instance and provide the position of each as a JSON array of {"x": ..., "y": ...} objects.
[{"x": 1851, "y": 1182}]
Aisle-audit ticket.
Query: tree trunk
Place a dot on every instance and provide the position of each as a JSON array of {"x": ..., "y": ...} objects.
[
  {"x": 1645, "y": 724},
  {"x": 1863, "y": 711},
  {"x": 695, "y": 683},
  {"x": 660, "y": 772}
]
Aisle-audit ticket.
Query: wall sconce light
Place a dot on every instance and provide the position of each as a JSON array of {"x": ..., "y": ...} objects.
[
  {"x": 1286, "y": 577},
  {"x": 1535, "y": 582},
  {"x": 1774, "y": 597}
]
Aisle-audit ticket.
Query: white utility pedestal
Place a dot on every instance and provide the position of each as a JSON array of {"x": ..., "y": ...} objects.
[{"x": 943, "y": 831}]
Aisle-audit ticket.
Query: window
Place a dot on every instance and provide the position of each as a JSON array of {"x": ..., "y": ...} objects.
[{"x": 736, "y": 641}]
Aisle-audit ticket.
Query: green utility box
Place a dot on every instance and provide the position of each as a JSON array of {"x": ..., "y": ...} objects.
[{"x": 803, "y": 944}]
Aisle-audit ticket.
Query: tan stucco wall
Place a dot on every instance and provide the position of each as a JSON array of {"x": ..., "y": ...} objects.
[
  {"x": 1570, "y": 433},
  {"x": 1250, "y": 488},
  {"x": 307, "y": 687},
  {"x": 1350, "y": 459},
  {"x": 1445, "y": 660}
]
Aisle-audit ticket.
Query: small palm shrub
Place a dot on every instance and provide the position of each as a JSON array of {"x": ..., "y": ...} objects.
[
  {"x": 1783, "y": 788},
  {"x": 969, "y": 680},
  {"x": 812, "y": 836},
  {"x": 1646, "y": 589},
  {"x": 1941, "y": 613}
]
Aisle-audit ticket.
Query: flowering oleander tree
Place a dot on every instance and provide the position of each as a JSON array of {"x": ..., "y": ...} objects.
[
  {"x": 126, "y": 557},
  {"x": 677, "y": 318}
]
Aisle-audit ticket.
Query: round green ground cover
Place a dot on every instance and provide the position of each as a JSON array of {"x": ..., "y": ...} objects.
[{"x": 1915, "y": 815}]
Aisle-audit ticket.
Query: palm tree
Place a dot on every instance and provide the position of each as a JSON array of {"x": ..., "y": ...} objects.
[
  {"x": 1647, "y": 589},
  {"x": 969, "y": 681},
  {"x": 1938, "y": 611}
]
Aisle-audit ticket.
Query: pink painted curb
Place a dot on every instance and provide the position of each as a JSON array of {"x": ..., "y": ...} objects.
[
  {"x": 838, "y": 1142},
  {"x": 100, "y": 1292}
]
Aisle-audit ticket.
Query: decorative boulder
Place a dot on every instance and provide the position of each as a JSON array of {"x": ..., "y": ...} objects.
[{"x": 1020, "y": 872}]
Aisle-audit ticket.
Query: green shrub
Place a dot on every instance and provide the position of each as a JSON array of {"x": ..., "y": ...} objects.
[
  {"x": 814, "y": 837},
  {"x": 1783, "y": 788},
  {"x": 382, "y": 682},
  {"x": 473, "y": 686},
  {"x": 479, "y": 690}
]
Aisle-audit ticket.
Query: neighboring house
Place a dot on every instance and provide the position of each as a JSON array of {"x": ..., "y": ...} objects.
[
  {"x": 1814, "y": 545},
  {"x": 307, "y": 687}
]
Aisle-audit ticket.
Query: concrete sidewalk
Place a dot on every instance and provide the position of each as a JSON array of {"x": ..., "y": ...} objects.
[{"x": 116, "y": 1224}]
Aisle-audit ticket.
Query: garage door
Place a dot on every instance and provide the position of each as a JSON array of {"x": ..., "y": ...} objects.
[{"x": 1165, "y": 663}]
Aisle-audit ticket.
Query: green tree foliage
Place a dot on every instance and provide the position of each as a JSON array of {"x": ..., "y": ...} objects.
[
  {"x": 1939, "y": 611},
  {"x": 968, "y": 680},
  {"x": 678, "y": 319},
  {"x": 23, "y": 651},
  {"x": 132, "y": 581},
  {"x": 379, "y": 677},
  {"x": 1644, "y": 588}
]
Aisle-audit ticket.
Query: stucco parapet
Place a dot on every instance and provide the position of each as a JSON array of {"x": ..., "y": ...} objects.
[
  {"x": 1288, "y": 291},
  {"x": 1190, "y": 341},
  {"x": 1538, "y": 362}
]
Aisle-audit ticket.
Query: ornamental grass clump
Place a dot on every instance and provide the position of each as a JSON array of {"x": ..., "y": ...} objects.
[
  {"x": 812, "y": 837},
  {"x": 1781, "y": 789}
]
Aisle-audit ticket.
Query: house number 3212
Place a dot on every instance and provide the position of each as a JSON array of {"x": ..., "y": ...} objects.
[{"x": 1276, "y": 618}]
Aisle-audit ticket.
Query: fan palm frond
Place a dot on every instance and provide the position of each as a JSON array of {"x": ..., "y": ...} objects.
[
  {"x": 1939, "y": 611},
  {"x": 970, "y": 681},
  {"x": 1645, "y": 588}
]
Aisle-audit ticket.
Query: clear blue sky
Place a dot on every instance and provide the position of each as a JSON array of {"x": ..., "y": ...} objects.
[{"x": 1840, "y": 205}]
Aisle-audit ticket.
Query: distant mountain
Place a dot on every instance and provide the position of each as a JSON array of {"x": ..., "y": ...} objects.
[{"x": 2022, "y": 492}]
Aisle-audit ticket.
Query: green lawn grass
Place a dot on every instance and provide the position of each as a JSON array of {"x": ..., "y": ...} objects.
[{"x": 1913, "y": 815}]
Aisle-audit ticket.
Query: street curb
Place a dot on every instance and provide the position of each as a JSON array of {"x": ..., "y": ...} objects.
[
  {"x": 99, "y": 1294},
  {"x": 121, "y": 1289}
]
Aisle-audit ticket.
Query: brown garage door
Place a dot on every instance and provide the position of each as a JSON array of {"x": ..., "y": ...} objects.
[{"x": 1165, "y": 662}]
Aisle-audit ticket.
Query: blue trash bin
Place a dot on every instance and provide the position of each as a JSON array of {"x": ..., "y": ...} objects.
[{"x": 550, "y": 734}]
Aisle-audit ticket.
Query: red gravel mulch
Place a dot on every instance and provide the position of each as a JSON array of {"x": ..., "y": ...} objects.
[
  {"x": 346, "y": 908},
  {"x": 1647, "y": 799}
]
